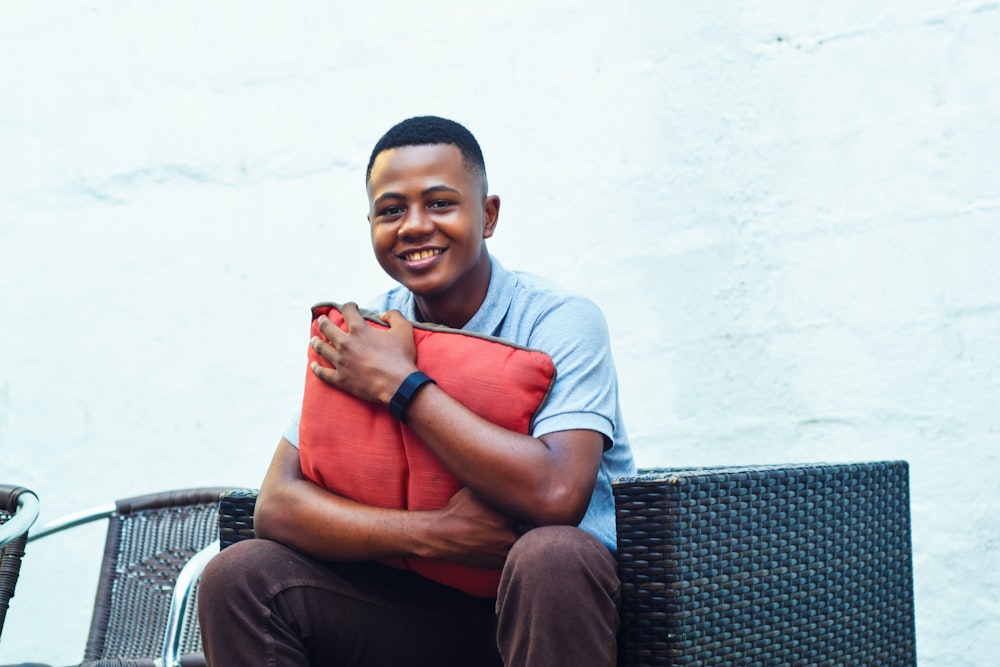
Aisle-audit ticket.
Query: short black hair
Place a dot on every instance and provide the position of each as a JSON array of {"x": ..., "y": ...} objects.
[{"x": 426, "y": 130}]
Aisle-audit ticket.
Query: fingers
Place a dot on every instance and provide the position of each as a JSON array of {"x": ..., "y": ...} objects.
[
  {"x": 324, "y": 373},
  {"x": 325, "y": 347},
  {"x": 330, "y": 331},
  {"x": 334, "y": 333},
  {"x": 325, "y": 352},
  {"x": 353, "y": 320},
  {"x": 394, "y": 318},
  {"x": 352, "y": 316},
  {"x": 399, "y": 326}
]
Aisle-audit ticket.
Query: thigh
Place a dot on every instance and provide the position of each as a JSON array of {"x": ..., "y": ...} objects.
[
  {"x": 559, "y": 600},
  {"x": 360, "y": 613}
]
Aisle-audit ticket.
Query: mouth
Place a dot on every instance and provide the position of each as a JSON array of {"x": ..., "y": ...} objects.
[{"x": 420, "y": 255}]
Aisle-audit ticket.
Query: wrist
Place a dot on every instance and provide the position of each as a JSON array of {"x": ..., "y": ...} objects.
[
  {"x": 421, "y": 526},
  {"x": 407, "y": 391}
]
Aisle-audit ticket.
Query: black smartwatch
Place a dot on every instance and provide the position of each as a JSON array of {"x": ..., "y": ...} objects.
[{"x": 404, "y": 395}]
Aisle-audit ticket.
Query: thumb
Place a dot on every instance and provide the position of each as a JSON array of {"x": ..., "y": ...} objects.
[{"x": 394, "y": 318}]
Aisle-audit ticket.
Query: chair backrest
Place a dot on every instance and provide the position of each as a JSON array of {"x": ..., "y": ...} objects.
[
  {"x": 767, "y": 565},
  {"x": 150, "y": 539},
  {"x": 18, "y": 511}
]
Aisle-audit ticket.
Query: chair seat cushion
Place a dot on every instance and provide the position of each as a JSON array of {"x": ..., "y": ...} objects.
[{"x": 356, "y": 449}]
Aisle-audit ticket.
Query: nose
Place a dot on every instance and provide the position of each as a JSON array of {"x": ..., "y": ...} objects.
[{"x": 417, "y": 222}]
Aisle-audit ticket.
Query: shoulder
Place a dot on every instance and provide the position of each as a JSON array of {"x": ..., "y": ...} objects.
[
  {"x": 557, "y": 312},
  {"x": 540, "y": 292}
]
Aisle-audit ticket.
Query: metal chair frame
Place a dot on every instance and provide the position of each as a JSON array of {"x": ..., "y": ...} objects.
[{"x": 18, "y": 512}]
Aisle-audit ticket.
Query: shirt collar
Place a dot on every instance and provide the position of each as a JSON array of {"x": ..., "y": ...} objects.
[
  {"x": 499, "y": 294},
  {"x": 490, "y": 316}
]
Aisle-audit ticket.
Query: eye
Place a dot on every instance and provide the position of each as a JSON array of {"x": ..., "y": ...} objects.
[
  {"x": 441, "y": 203},
  {"x": 390, "y": 211}
]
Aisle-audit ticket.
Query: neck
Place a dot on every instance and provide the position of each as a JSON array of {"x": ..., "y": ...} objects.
[{"x": 455, "y": 307}]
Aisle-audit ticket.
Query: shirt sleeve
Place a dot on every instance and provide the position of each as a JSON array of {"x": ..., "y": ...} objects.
[
  {"x": 585, "y": 394},
  {"x": 291, "y": 433}
]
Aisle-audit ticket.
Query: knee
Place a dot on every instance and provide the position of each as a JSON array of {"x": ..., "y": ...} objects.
[
  {"x": 546, "y": 556},
  {"x": 241, "y": 567},
  {"x": 558, "y": 582},
  {"x": 223, "y": 571},
  {"x": 546, "y": 542}
]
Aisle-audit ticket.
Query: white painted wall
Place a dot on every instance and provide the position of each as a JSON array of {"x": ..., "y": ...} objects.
[{"x": 788, "y": 211}]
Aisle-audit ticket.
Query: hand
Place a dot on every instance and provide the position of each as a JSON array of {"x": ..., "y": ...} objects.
[
  {"x": 472, "y": 533},
  {"x": 366, "y": 361}
]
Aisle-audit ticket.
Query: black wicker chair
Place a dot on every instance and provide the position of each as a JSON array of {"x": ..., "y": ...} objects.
[
  {"x": 769, "y": 565},
  {"x": 150, "y": 540},
  {"x": 18, "y": 512}
]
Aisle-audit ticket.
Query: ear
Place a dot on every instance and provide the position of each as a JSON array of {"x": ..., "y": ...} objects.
[{"x": 491, "y": 212}]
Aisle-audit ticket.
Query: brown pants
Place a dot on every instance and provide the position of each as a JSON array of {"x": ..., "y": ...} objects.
[{"x": 261, "y": 603}]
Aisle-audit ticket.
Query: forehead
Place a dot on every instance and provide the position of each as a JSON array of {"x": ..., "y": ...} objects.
[{"x": 430, "y": 164}]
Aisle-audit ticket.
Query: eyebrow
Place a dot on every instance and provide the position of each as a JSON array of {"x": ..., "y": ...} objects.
[{"x": 423, "y": 193}]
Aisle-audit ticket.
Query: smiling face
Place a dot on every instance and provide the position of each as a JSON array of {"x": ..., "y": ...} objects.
[{"x": 429, "y": 221}]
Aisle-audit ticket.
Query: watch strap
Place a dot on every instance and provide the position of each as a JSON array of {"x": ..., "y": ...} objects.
[{"x": 404, "y": 395}]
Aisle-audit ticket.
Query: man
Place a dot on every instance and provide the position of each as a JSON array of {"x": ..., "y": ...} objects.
[{"x": 310, "y": 593}]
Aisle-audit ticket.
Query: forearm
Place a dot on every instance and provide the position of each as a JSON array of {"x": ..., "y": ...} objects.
[
  {"x": 302, "y": 515},
  {"x": 329, "y": 527},
  {"x": 524, "y": 476}
]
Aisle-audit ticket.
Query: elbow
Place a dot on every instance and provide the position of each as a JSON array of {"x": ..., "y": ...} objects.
[
  {"x": 266, "y": 518},
  {"x": 561, "y": 505}
]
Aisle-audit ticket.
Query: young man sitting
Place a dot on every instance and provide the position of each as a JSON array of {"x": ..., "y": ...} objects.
[{"x": 310, "y": 591}]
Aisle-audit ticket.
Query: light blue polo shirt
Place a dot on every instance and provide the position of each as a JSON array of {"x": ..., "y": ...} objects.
[{"x": 531, "y": 311}]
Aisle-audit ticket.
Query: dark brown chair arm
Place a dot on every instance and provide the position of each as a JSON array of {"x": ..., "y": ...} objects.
[{"x": 236, "y": 516}]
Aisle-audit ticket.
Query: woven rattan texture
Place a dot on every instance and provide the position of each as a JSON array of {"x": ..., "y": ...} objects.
[
  {"x": 804, "y": 565},
  {"x": 236, "y": 516},
  {"x": 153, "y": 546},
  {"x": 10, "y": 566}
]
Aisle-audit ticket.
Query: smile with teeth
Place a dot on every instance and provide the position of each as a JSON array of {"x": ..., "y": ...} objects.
[{"x": 418, "y": 255}]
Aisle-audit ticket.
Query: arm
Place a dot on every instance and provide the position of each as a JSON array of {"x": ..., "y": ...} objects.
[
  {"x": 543, "y": 481},
  {"x": 302, "y": 515},
  {"x": 547, "y": 480}
]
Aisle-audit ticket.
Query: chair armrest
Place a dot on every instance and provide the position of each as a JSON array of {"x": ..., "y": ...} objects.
[
  {"x": 236, "y": 516},
  {"x": 789, "y": 564},
  {"x": 73, "y": 520},
  {"x": 21, "y": 506},
  {"x": 18, "y": 512},
  {"x": 182, "y": 595}
]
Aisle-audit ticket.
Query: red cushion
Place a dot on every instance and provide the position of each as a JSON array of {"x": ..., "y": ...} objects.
[{"x": 358, "y": 450}]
